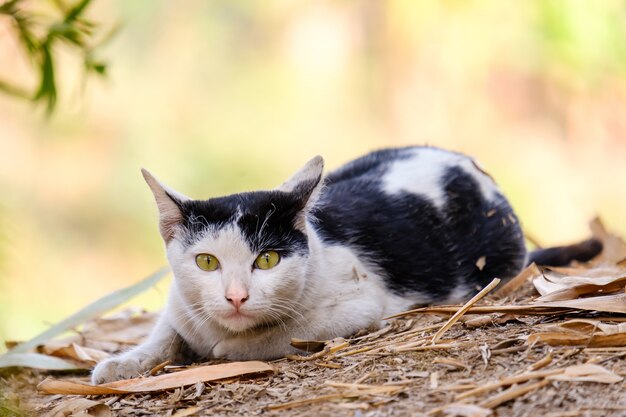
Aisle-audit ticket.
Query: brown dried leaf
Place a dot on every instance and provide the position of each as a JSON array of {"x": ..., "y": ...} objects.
[
  {"x": 488, "y": 320},
  {"x": 81, "y": 354},
  {"x": 569, "y": 339},
  {"x": 582, "y": 332},
  {"x": 453, "y": 363},
  {"x": 456, "y": 316},
  {"x": 512, "y": 393},
  {"x": 187, "y": 412},
  {"x": 532, "y": 271},
  {"x": 80, "y": 406},
  {"x": 352, "y": 391},
  {"x": 613, "y": 246},
  {"x": 126, "y": 328},
  {"x": 587, "y": 373},
  {"x": 615, "y": 303},
  {"x": 311, "y": 346},
  {"x": 465, "y": 410},
  {"x": 162, "y": 382},
  {"x": 554, "y": 284},
  {"x": 330, "y": 346}
]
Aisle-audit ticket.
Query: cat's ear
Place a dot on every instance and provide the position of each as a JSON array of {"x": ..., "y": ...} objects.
[
  {"x": 169, "y": 204},
  {"x": 306, "y": 186}
]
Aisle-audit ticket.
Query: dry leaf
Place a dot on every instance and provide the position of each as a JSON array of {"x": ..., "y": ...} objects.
[
  {"x": 481, "y": 262},
  {"x": 615, "y": 303},
  {"x": 126, "y": 328},
  {"x": 453, "y": 363},
  {"x": 587, "y": 373},
  {"x": 532, "y": 271},
  {"x": 352, "y": 391},
  {"x": 488, "y": 320},
  {"x": 330, "y": 346},
  {"x": 465, "y": 410},
  {"x": 456, "y": 316},
  {"x": 613, "y": 246},
  {"x": 310, "y": 346},
  {"x": 161, "y": 382},
  {"x": 582, "y": 332},
  {"x": 568, "y": 339},
  {"x": 512, "y": 393},
  {"x": 187, "y": 412},
  {"x": 37, "y": 361},
  {"x": 80, "y": 406},
  {"x": 554, "y": 284},
  {"x": 94, "y": 309},
  {"x": 85, "y": 355}
]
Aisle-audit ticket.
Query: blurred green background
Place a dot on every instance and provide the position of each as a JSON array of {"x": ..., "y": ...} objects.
[{"x": 216, "y": 97}]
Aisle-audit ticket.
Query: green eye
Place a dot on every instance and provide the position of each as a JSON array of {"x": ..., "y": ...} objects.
[
  {"x": 207, "y": 262},
  {"x": 267, "y": 260}
]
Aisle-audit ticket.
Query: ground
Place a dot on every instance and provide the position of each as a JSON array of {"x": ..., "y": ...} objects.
[{"x": 563, "y": 357}]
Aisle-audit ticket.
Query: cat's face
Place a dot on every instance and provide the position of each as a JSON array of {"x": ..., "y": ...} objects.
[{"x": 240, "y": 261}]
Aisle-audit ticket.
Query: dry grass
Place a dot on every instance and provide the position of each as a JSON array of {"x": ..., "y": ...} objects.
[
  {"x": 467, "y": 368},
  {"x": 455, "y": 361}
]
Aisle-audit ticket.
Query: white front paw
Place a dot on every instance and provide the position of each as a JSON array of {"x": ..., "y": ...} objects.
[{"x": 128, "y": 365}]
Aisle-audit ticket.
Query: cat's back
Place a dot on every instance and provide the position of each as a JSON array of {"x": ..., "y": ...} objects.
[{"x": 431, "y": 221}]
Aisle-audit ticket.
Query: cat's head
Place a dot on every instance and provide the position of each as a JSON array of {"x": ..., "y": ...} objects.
[{"x": 240, "y": 260}]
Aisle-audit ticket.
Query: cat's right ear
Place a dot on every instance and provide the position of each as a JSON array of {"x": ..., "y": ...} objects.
[
  {"x": 169, "y": 204},
  {"x": 306, "y": 185}
]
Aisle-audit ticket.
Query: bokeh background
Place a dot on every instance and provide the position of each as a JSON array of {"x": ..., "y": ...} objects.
[{"x": 216, "y": 97}]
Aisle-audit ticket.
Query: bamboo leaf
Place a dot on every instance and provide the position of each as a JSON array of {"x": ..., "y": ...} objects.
[
  {"x": 13, "y": 90},
  {"x": 35, "y": 360},
  {"x": 94, "y": 309},
  {"x": 76, "y": 10},
  {"x": 162, "y": 382},
  {"x": 47, "y": 87}
]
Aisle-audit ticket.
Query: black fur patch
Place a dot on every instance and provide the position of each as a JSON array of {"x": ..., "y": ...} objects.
[
  {"x": 417, "y": 247},
  {"x": 266, "y": 219}
]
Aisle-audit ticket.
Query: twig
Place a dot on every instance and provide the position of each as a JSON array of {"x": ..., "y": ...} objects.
[
  {"x": 507, "y": 381},
  {"x": 511, "y": 393},
  {"x": 463, "y": 309}
]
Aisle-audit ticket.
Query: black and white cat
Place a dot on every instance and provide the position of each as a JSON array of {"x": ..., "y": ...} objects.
[{"x": 320, "y": 258}]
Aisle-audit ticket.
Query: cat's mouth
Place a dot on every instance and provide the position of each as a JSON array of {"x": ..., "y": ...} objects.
[
  {"x": 239, "y": 321},
  {"x": 238, "y": 314}
]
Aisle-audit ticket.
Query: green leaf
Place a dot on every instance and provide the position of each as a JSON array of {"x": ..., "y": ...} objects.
[
  {"x": 94, "y": 309},
  {"x": 35, "y": 360},
  {"x": 69, "y": 33},
  {"x": 13, "y": 90},
  {"x": 47, "y": 86},
  {"x": 76, "y": 10},
  {"x": 9, "y": 7},
  {"x": 98, "y": 67}
]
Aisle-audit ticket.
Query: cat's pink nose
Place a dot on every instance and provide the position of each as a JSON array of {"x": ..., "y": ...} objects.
[{"x": 237, "y": 299}]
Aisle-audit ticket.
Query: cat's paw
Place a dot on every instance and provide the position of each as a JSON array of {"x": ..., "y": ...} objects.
[{"x": 128, "y": 365}]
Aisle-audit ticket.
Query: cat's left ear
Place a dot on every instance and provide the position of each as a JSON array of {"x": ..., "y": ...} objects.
[
  {"x": 306, "y": 186},
  {"x": 169, "y": 203}
]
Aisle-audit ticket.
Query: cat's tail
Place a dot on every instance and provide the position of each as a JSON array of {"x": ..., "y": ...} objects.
[{"x": 563, "y": 255}]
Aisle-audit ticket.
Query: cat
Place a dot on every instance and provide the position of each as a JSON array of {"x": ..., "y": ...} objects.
[{"x": 318, "y": 258}]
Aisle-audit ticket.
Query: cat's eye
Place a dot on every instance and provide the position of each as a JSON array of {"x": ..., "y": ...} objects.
[
  {"x": 207, "y": 262},
  {"x": 267, "y": 260}
]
